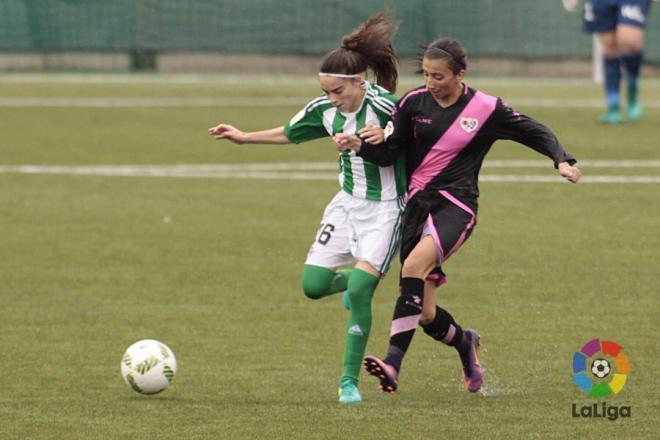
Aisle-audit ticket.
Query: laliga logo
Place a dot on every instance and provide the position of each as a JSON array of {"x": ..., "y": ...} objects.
[
  {"x": 605, "y": 357},
  {"x": 600, "y": 369}
]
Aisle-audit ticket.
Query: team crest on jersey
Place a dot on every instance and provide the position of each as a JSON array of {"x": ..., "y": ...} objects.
[{"x": 469, "y": 124}]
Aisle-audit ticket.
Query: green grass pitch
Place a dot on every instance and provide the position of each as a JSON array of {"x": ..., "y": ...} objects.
[{"x": 211, "y": 267}]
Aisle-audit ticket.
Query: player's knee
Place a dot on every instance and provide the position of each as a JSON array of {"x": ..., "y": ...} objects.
[
  {"x": 360, "y": 299},
  {"x": 353, "y": 295},
  {"x": 409, "y": 266},
  {"x": 415, "y": 266},
  {"x": 630, "y": 47},
  {"x": 609, "y": 44},
  {"x": 313, "y": 289},
  {"x": 312, "y": 293},
  {"x": 316, "y": 281}
]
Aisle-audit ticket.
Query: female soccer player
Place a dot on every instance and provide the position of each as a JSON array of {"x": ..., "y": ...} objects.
[
  {"x": 619, "y": 25},
  {"x": 445, "y": 129},
  {"x": 361, "y": 224}
]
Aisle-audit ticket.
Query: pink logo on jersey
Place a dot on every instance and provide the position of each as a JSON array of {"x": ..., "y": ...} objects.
[{"x": 469, "y": 124}]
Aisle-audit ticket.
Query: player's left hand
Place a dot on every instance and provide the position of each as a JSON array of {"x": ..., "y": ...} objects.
[
  {"x": 345, "y": 141},
  {"x": 569, "y": 172},
  {"x": 372, "y": 134}
]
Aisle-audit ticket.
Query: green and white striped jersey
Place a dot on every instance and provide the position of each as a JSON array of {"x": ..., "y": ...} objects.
[{"x": 357, "y": 176}]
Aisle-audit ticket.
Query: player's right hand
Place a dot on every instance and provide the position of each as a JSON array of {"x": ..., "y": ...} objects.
[
  {"x": 569, "y": 172},
  {"x": 372, "y": 134},
  {"x": 229, "y": 132}
]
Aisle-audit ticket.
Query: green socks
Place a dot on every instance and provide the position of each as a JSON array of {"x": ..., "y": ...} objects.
[
  {"x": 319, "y": 282},
  {"x": 361, "y": 287}
]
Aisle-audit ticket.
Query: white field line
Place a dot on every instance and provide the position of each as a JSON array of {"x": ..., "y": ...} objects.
[
  {"x": 151, "y": 102},
  {"x": 231, "y": 79},
  {"x": 278, "y": 171},
  {"x": 582, "y": 163},
  {"x": 244, "y": 101},
  {"x": 557, "y": 179},
  {"x": 298, "y": 166}
]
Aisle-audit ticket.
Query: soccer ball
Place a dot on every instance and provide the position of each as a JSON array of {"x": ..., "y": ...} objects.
[
  {"x": 600, "y": 368},
  {"x": 148, "y": 366}
]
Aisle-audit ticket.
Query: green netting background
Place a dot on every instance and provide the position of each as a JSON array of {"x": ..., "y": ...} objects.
[{"x": 512, "y": 28}]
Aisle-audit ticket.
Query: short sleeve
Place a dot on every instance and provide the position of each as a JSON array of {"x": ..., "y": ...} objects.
[{"x": 306, "y": 125}]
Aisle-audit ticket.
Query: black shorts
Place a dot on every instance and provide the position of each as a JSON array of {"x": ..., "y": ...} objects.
[
  {"x": 605, "y": 15},
  {"x": 444, "y": 217}
]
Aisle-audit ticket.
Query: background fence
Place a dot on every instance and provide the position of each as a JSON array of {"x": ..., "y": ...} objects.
[{"x": 527, "y": 29}]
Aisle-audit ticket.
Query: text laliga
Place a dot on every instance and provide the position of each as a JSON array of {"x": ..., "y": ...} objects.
[{"x": 603, "y": 410}]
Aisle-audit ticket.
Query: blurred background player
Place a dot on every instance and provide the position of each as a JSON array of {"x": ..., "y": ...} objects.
[
  {"x": 361, "y": 224},
  {"x": 619, "y": 26},
  {"x": 444, "y": 129}
]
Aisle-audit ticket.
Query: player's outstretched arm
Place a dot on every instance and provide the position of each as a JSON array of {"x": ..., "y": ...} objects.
[
  {"x": 229, "y": 132},
  {"x": 569, "y": 172}
]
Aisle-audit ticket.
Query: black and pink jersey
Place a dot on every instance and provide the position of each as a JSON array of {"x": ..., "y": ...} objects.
[{"x": 445, "y": 147}]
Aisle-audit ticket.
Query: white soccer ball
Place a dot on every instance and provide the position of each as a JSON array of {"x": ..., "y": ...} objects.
[
  {"x": 148, "y": 366},
  {"x": 600, "y": 368}
]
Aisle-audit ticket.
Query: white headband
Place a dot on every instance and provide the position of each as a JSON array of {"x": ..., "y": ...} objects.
[{"x": 339, "y": 75}]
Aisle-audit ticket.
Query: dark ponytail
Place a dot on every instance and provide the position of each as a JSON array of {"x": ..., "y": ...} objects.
[
  {"x": 369, "y": 46},
  {"x": 447, "y": 49}
]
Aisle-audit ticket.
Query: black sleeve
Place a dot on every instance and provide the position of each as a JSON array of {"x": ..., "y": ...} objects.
[
  {"x": 517, "y": 127},
  {"x": 399, "y": 138}
]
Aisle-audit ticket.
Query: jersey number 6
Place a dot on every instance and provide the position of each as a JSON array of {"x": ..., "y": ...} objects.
[{"x": 326, "y": 233}]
